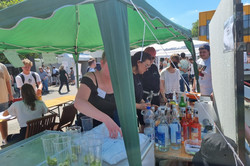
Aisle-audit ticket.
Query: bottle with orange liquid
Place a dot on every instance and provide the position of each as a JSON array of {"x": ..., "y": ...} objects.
[
  {"x": 195, "y": 127},
  {"x": 189, "y": 120},
  {"x": 184, "y": 129}
]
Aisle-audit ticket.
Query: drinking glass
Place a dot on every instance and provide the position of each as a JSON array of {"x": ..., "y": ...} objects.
[
  {"x": 94, "y": 149},
  {"x": 48, "y": 148},
  {"x": 62, "y": 147}
]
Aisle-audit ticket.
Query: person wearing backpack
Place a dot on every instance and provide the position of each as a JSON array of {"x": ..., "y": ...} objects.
[{"x": 29, "y": 77}]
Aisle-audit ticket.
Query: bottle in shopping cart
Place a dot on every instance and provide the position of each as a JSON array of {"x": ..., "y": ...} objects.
[
  {"x": 163, "y": 133},
  {"x": 195, "y": 127},
  {"x": 175, "y": 131}
]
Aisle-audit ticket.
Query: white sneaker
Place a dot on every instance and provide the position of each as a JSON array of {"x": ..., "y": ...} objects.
[{"x": 4, "y": 142}]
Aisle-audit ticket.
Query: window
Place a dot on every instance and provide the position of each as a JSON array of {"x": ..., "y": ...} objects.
[
  {"x": 202, "y": 31},
  {"x": 208, "y": 21},
  {"x": 246, "y": 25}
]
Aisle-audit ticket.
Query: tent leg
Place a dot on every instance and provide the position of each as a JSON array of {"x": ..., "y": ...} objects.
[{"x": 76, "y": 58}]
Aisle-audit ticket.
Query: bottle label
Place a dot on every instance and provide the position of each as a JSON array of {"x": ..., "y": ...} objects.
[
  {"x": 156, "y": 134},
  {"x": 163, "y": 135},
  {"x": 178, "y": 137},
  {"x": 149, "y": 131},
  {"x": 175, "y": 133},
  {"x": 194, "y": 133},
  {"x": 182, "y": 110}
]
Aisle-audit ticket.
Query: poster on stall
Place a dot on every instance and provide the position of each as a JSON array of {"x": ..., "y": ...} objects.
[{"x": 228, "y": 35}]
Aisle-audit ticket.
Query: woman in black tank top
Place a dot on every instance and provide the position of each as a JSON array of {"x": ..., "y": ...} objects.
[{"x": 95, "y": 98}]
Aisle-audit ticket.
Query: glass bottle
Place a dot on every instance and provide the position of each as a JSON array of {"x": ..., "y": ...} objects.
[
  {"x": 195, "y": 127},
  {"x": 182, "y": 107},
  {"x": 163, "y": 134},
  {"x": 175, "y": 131}
]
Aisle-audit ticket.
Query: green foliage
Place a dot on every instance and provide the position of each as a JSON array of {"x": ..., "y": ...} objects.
[
  {"x": 7, "y": 3},
  {"x": 195, "y": 27}
]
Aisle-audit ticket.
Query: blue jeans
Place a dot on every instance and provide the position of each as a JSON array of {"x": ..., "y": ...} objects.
[
  {"x": 4, "y": 106},
  {"x": 45, "y": 85},
  {"x": 182, "y": 87}
]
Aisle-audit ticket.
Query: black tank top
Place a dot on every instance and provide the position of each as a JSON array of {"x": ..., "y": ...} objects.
[{"x": 100, "y": 99}]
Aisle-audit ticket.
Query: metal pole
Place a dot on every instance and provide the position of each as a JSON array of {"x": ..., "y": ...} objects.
[
  {"x": 76, "y": 58},
  {"x": 239, "y": 78}
]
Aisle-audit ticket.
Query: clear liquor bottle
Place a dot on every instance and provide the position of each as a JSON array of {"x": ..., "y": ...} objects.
[
  {"x": 163, "y": 133},
  {"x": 175, "y": 131}
]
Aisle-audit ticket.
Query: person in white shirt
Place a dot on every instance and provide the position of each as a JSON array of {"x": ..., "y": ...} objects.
[
  {"x": 205, "y": 76},
  {"x": 28, "y": 109},
  {"x": 49, "y": 74},
  {"x": 183, "y": 67},
  {"x": 28, "y": 77},
  {"x": 170, "y": 79}
]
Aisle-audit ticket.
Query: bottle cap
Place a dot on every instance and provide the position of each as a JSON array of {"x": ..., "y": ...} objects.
[{"x": 148, "y": 107}]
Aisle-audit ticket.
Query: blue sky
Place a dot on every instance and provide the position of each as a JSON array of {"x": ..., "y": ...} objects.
[{"x": 185, "y": 12}]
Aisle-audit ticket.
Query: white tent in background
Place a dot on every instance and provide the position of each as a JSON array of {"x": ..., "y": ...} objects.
[{"x": 172, "y": 47}]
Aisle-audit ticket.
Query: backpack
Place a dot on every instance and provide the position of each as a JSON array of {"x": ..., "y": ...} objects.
[{"x": 33, "y": 75}]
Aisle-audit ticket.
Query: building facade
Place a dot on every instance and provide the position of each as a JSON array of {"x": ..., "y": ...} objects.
[{"x": 205, "y": 18}]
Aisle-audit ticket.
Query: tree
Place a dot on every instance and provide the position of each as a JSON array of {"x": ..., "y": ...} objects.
[
  {"x": 195, "y": 27},
  {"x": 3, "y": 59},
  {"x": 7, "y": 3}
]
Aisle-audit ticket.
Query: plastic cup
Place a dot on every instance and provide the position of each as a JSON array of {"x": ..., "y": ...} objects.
[
  {"x": 48, "y": 148},
  {"x": 87, "y": 123},
  {"x": 94, "y": 149},
  {"x": 62, "y": 146}
]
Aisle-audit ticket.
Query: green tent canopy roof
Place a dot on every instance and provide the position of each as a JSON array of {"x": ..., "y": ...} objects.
[{"x": 72, "y": 26}]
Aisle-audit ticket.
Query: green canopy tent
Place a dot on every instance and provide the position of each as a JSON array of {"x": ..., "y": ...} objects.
[{"x": 74, "y": 26}]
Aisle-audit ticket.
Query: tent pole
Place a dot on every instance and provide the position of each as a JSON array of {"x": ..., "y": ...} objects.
[
  {"x": 76, "y": 58},
  {"x": 190, "y": 46}
]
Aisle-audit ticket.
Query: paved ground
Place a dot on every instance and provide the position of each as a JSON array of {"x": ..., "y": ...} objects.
[{"x": 13, "y": 126}]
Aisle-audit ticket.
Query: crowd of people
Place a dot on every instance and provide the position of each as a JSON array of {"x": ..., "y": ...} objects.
[
  {"x": 31, "y": 86},
  {"x": 95, "y": 96}
]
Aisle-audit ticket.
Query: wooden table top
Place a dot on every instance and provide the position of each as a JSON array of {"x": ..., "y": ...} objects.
[
  {"x": 59, "y": 101},
  {"x": 180, "y": 155}
]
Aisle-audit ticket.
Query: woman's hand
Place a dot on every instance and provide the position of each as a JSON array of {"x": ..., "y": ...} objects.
[
  {"x": 144, "y": 106},
  {"x": 113, "y": 128}
]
